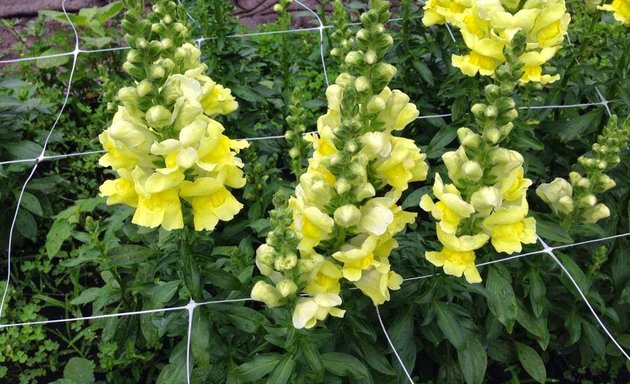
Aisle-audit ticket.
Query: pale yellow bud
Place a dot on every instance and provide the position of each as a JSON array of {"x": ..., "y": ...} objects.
[
  {"x": 342, "y": 186},
  {"x": 376, "y": 104},
  {"x": 265, "y": 254},
  {"x": 588, "y": 201},
  {"x": 468, "y": 138},
  {"x": 158, "y": 116},
  {"x": 267, "y": 294},
  {"x": 347, "y": 215},
  {"x": 362, "y": 84},
  {"x": 365, "y": 191},
  {"x": 596, "y": 213},
  {"x": 285, "y": 262},
  {"x": 370, "y": 57},
  {"x": 472, "y": 170},
  {"x": 493, "y": 135},
  {"x": 353, "y": 58},
  {"x": 286, "y": 287},
  {"x": 344, "y": 79},
  {"x": 144, "y": 88}
]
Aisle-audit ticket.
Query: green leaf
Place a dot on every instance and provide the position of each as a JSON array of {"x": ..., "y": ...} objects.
[
  {"x": 375, "y": 359},
  {"x": 52, "y": 62},
  {"x": 575, "y": 271},
  {"x": 595, "y": 339},
  {"x": 537, "y": 292},
  {"x": 59, "y": 232},
  {"x": 535, "y": 326},
  {"x": 31, "y": 203},
  {"x": 580, "y": 126},
  {"x": 200, "y": 338},
  {"x": 25, "y": 150},
  {"x": 473, "y": 360},
  {"x": 424, "y": 71},
  {"x": 222, "y": 279},
  {"x": 311, "y": 355},
  {"x": 441, "y": 139},
  {"x": 245, "y": 319},
  {"x": 26, "y": 225},
  {"x": 282, "y": 372},
  {"x": 345, "y": 365},
  {"x": 79, "y": 370},
  {"x": 500, "y": 296},
  {"x": 161, "y": 293},
  {"x": 413, "y": 199},
  {"x": 531, "y": 361},
  {"x": 449, "y": 324},
  {"x": 107, "y": 12},
  {"x": 551, "y": 231},
  {"x": 258, "y": 367},
  {"x": 128, "y": 255},
  {"x": 87, "y": 296}
]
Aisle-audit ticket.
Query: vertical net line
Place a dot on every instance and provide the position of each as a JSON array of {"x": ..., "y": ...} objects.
[
  {"x": 321, "y": 39},
  {"x": 549, "y": 251},
  {"x": 391, "y": 345},
  {"x": 75, "y": 54},
  {"x": 191, "y": 313}
]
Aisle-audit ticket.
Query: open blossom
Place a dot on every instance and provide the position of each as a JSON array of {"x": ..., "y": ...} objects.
[
  {"x": 488, "y": 26},
  {"x": 174, "y": 151},
  {"x": 620, "y": 9}
]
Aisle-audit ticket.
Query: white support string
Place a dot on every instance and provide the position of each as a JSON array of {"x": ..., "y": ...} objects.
[
  {"x": 321, "y": 39},
  {"x": 549, "y": 251},
  {"x": 277, "y": 137},
  {"x": 392, "y": 346},
  {"x": 41, "y": 155},
  {"x": 191, "y": 312}
]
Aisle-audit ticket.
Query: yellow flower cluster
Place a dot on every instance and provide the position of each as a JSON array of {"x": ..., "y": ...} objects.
[
  {"x": 345, "y": 230},
  {"x": 621, "y": 9},
  {"x": 173, "y": 149},
  {"x": 488, "y": 26},
  {"x": 487, "y": 198},
  {"x": 495, "y": 212}
]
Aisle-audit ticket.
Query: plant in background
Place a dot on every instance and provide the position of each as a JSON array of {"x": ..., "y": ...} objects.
[
  {"x": 344, "y": 214},
  {"x": 487, "y": 198},
  {"x": 575, "y": 202},
  {"x": 164, "y": 143},
  {"x": 620, "y": 9},
  {"x": 489, "y": 26}
]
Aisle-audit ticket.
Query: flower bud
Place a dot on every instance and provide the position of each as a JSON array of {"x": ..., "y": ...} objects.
[
  {"x": 286, "y": 287},
  {"x": 144, "y": 87},
  {"x": 565, "y": 205},
  {"x": 286, "y": 262},
  {"x": 365, "y": 191},
  {"x": 347, "y": 215},
  {"x": 344, "y": 79},
  {"x": 491, "y": 112},
  {"x": 342, "y": 186},
  {"x": 468, "y": 138},
  {"x": 361, "y": 84},
  {"x": 265, "y": 254},
  {"x": 385, "y": 71},
  {"x": 596, "y": 213},
  {"x": 605, "y": 183},
  {"x": 588, "y": 201},
  {"x": 267, "y": 294},
  {"x": 294, "y": 153},
  {"x": 493, "y": 135},
  {"x": 492, "y": 90},
  {"x": 353, "y": 58},
  {"x": 478, "y": 109},
  {"x": 472, "y": 170},
  {"x": 158, "y": 116},
  {"x": 128, "y": 95},
  {"x": 157, "y": 72},
  {"x": 370, "y": 57},
  {"x": 278, "y": 8},
  {"x": 376, "y": 104}
]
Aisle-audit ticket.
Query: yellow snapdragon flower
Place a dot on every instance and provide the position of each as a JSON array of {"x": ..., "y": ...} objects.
[
  {"x": 620, "y": 9},
  {"x": 488, "y": 26},
  {"x": 450, "y": 210},
  {"x": 458, "y": 256},
  {"x": 174, "y": 150}
]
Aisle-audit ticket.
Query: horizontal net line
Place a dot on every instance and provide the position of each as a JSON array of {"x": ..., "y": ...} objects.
[
  {"x": 247, "y": 299},
  {"x": 276, "y": 137},
  {"x": 508, "y": 258},
  {"x": 198, "y": 40}
]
